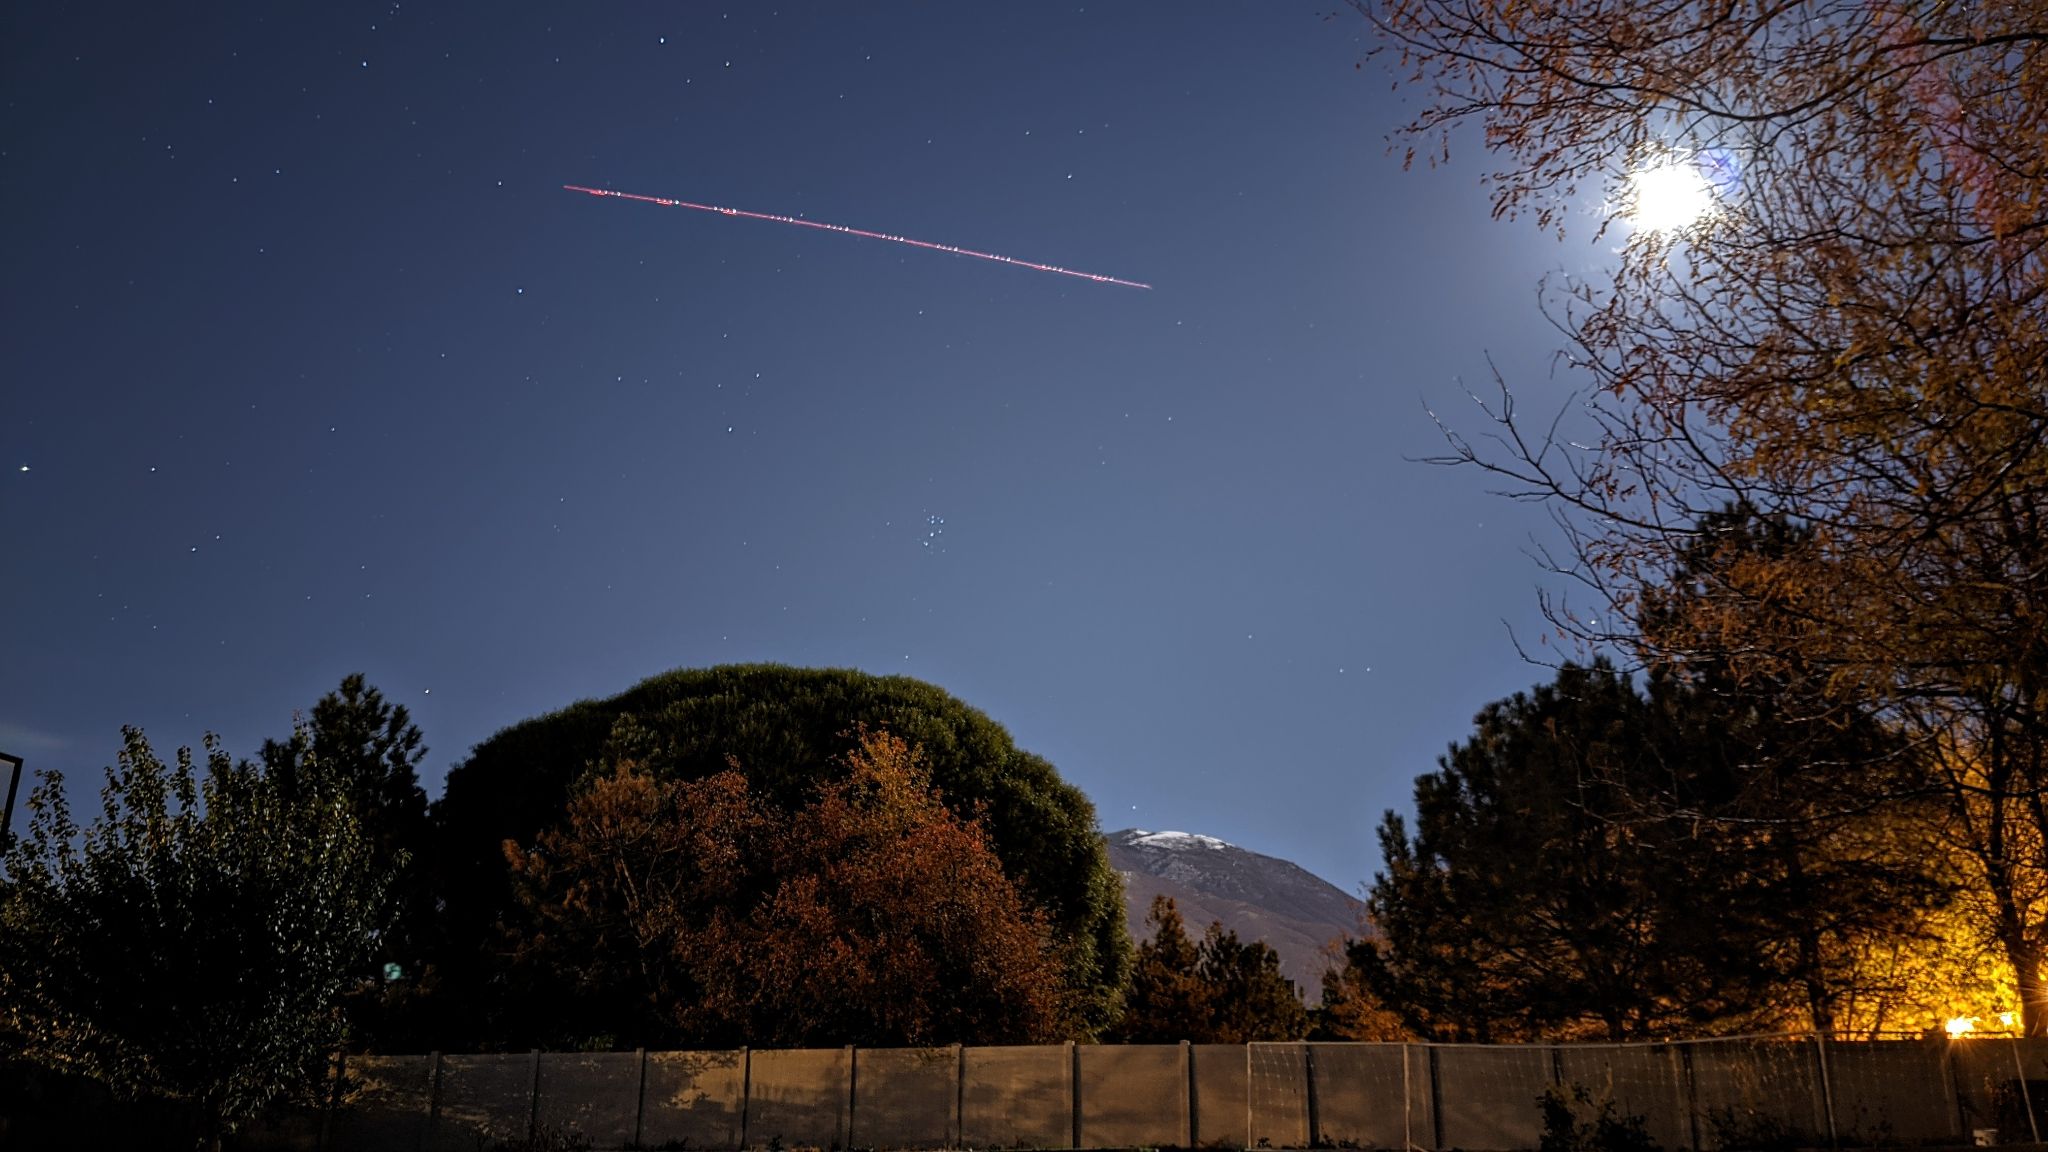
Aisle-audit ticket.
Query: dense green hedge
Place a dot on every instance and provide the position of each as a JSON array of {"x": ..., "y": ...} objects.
[{"x": 784, "y": 726}]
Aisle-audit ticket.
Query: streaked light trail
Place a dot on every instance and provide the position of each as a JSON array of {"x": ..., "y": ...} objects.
[{"x": 669, "y": 203}]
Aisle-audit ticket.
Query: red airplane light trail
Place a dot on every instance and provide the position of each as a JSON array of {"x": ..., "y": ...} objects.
[{"x": 669, "y": 203}]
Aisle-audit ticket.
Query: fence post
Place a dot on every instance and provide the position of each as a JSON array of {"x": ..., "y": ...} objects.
[
  {"x": 533, "y": 1097},
  {"x": 1688, "y": 1092},
  {"x": 2026, "y": 1096},
  {"x": 1407, "y": 1104},
  {"x": 1436, "y": 1102},
  {"x": 746, "y": 1089},
  {"x": 1187, "y": 1094},
  {"x": 1074, "y": 1094},
  {"x": 1827, "y": 1089},
  {"x": 959, "y": 1096},
  {"x": 846, "y": 1104},
  {"x": 1309, "y": 1103},
  {"x": 433, "y": 1099},
  {"x": 1248, "y": 1094},
  {"x": 640, "y": 1097}
]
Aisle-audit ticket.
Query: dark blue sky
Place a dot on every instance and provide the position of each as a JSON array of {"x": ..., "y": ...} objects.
[{"x": 310, "y": 366}]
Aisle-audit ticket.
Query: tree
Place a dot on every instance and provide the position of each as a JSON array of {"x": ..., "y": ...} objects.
[
  {"x": 789, "y": 729},
  {"x": 696, "y": 913},
  {"x": 1816, "y": 805},
  {"x": 194, "y": 941},
  {"x": 1248, "y": 998},
  {"x": 361, "y": 746},
  {"x": 1220, "y": 991},
  {"x": 1350, "y": 1010},
  {"x": 1563, "y": 856},
  {"x": 1523, "y": 907},
  {"x": 1167, "y": 1001},
  {"x": 368, "y": 749},
  {"x": 1852, "y": 341}
]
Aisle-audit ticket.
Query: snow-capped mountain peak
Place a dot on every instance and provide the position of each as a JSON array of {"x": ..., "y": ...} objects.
[{"x": 1174, "y": 841}]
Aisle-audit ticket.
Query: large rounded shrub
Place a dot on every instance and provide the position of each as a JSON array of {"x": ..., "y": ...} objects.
[{"x": 786, "y": 728}]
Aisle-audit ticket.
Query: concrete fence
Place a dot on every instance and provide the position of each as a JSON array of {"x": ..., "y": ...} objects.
[{"x": 1697, "y": 1095}]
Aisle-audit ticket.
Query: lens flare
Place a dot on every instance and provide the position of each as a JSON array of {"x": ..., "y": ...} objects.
[{"x": 801, "y": 223}]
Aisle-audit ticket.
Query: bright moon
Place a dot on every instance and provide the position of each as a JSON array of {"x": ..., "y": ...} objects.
[{"x": 1669, "y": 196}]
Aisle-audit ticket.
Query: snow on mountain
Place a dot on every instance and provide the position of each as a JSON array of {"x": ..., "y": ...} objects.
[
  {"x": 1257, "y": 896},
  {"x": 1175, "y": 840}
]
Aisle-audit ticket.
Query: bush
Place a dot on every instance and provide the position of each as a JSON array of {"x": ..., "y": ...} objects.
[{"x": 1575, "y": 1122}]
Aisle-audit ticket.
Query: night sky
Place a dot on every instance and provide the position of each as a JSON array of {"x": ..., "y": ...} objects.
[{"x": 310, "y": 366}]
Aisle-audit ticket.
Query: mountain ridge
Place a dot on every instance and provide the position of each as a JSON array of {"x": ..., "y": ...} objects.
[{"x": 1259, "y": 897}]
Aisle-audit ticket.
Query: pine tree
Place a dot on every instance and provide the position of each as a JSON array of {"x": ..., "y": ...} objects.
[{"x": 1219, "y": 991}]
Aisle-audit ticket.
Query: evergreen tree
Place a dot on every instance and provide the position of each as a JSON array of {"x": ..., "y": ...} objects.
[
  {"x": 360, "y": 746},
  {"x": 1350, "y": 1010},
  {"x": 1167, "y": 1001},
  {"x": 1524, "y": 906},
  {"x": 369, "y": 750},
  {"x": 1248, "y": 998},
  {"x": 1220, "y": 991},
  {"x": 1599, "y": 861}
]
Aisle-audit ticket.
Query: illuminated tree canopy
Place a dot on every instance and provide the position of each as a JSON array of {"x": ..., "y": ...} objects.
[{"x": 1851, "y": 340}]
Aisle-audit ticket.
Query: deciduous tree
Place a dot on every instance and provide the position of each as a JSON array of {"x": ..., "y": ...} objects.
[
  {"x": 701, "y": 913},
  {"x": 193, "y": 943},
  {"x": 789, "y": 730},
  {"x": 1852, "y": 340}
]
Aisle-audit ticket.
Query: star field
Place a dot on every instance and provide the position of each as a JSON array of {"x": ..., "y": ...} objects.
[{"x": 312, "y": 367}]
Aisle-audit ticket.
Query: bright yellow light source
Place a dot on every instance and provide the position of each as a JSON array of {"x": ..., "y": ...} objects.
[
  {"x": 1961, "y": 1025},
  {"x": 2008, "y": 1019},
  {"x": 1668, "y": 196}
]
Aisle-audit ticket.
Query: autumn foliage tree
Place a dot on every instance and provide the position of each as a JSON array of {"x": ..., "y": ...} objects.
[
  {"x": 681, "y": 913},
  {"x": 788, "y": 730},
  {"x": 1220, "y": 990},
  {"x": 1852, "y": 340}
]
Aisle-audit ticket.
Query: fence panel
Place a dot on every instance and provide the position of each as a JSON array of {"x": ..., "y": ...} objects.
[
  {"x": 1359, "y": 1095},
  {"x": 1276, "y": 1095},
  {"x": 1996, "y": 1079},
  {"x": 1886, "y": 1092},
  {"x": 1486, "y": 1096},
  {"x": 1761, "y": 1091},
  {"x": 904, "y": 1097},
  {"x": 1644, "y": 1080},
  {"x": 483, "y": 1099},
  {"x": 1131, "y": 1095},
  {"x": 592, "y": 1096},
  {"x": 1220, "y": 1092},
  {"x": 692, "y": 1099},
  {"x": 1017, "y": 1098},
  {"x": 796, "y": 1097}
]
